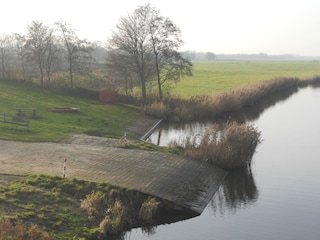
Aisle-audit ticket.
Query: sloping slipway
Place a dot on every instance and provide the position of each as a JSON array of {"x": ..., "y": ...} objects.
[{"x": 184, "y": 181}]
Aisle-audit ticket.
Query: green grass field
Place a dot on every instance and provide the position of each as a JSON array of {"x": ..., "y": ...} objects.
[
  {"x": 93, "y": 118},
  {"x": 219, "y": 76}
]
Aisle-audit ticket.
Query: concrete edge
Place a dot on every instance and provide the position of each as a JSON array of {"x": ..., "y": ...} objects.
[{"x": 145, "y": 136}]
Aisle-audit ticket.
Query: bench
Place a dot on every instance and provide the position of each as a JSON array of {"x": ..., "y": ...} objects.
[{"x": 20, "y": 111}]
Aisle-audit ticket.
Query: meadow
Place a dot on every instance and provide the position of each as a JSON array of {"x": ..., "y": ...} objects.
[
  {"x": 93, "y": 118},
  {"x": 110, "y": 120},
  {"x": 221, "y": 76}
]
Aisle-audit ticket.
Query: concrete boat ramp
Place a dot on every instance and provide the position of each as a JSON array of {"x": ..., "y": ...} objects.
[{"x": 183, "y": 181}]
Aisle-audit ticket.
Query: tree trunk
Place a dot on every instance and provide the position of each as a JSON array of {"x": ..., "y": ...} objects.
[
  {"x": 3, "y": 67},
  {"x": 71, "y": 74},
  {"x": 158, "y": 79},
  {"x": 23, "y": 69},
  {"x": 143, "y": 87}
]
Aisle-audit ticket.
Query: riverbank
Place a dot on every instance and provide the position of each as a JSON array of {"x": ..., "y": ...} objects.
[{"x": 221, "y": 106}]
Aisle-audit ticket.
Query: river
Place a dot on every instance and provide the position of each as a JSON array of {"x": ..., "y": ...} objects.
[{"x": 279, "y": 198}]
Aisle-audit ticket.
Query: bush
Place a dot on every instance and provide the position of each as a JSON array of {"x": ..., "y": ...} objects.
[
  {"x": 114, "y": 219},
  {"x": 115, "y": 211},
  {"x": 148, "y": 209},
  {"x": 230, "y": 145},
  {"x": 95, "y": 204}
]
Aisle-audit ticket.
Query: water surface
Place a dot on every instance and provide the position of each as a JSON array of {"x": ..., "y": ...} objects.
[{"x": 279, "y": 198}]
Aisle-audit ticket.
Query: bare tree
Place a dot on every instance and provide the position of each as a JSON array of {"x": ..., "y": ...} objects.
[
  {"x": 20, "y": 42},
  {"x": 38, "y": 43},
  {"x": 52, "y": 56},
  {"x": 6, "y": 54},
  {"x": 165, "y": 41},
  {"x": 119, "y": 72},
  {"x": 129, "y": 47},
  {"x": 76, "y": 51},
  {"x": 146, "y": 44}
]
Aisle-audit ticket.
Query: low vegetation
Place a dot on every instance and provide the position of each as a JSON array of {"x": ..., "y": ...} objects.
[
  {"x": 230, "y": 145},
  {"x": 71, "y": 209},
  {"x": 21, "y": 231}
]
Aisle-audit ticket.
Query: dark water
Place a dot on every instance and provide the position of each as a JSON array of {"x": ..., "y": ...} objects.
[{"x": 279, "y": 198}]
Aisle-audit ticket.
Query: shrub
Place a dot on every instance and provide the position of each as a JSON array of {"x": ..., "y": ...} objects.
[
  {"x": 114, "y": 219},
  {"x": 230, "y": 145},
  {"x": 95, "y": 204},
  {"x": 148, "y": 209}
]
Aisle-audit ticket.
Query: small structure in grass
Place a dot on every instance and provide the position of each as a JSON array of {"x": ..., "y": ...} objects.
[{"x": 108, "y": 96}]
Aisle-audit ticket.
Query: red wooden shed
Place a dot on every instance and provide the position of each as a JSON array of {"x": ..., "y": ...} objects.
[{"x": 107, "y": 96}]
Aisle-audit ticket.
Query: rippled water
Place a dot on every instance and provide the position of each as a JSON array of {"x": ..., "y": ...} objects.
[{"x": 279, "y": 198}]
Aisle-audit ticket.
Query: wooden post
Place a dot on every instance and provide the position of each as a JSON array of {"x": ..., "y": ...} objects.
[{"x": 64, "y": 167}]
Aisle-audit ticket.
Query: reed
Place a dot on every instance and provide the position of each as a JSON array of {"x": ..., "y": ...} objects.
[
  {"x": 21, "y": 231},
  {"x": 114, "y": 220},
  {"x": 148, "y": 210},
  {"x": 230, "y": 145},
  {"x": 219, "y": 105}
]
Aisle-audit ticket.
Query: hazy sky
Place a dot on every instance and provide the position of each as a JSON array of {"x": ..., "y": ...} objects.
[{"x": 219, "y": 26}]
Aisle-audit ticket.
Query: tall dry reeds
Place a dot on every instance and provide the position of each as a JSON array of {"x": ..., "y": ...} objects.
[
  {"x": 8, "y": 230},
  {"x": 114, "y": 213},
  {"x": 148, "y": 210},
  {"x": 215, "y": 106},
  {"x": 228, "y": 146}
]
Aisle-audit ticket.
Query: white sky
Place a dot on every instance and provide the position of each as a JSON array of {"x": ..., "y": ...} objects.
[{"x": 219, "y": 26}]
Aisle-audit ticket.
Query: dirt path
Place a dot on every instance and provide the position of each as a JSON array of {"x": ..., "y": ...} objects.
[{"x": 24, "y": 158}]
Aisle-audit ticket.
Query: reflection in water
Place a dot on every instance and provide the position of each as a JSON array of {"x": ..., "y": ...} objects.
[
  {"x": 254, "y": 111},
  {"x": 166, "y": 217},
  {"x": 238, "y": 191}
]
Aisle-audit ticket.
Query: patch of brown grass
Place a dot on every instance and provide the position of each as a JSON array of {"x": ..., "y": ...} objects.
[
  {"x": 148, "y": 209},
  {"x": 113, "y": 215},
  {"x": 230, "y": 145},
  {"x": 21, "y": 231}
]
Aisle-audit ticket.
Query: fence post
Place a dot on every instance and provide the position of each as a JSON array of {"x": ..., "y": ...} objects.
[{"x": 64, "y": 167}]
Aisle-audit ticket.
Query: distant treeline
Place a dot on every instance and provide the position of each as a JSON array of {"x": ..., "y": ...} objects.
[{"x": 210, "y": 56}]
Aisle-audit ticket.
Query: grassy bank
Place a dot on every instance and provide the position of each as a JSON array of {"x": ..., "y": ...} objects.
[
  {"x": 93, "y": 118},
  {"x": 221, "y": 105},
  {"x": 72, "y": 209}
]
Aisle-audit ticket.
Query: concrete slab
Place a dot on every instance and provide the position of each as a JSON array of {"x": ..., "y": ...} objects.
[{"x": 184, "y": 181}]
